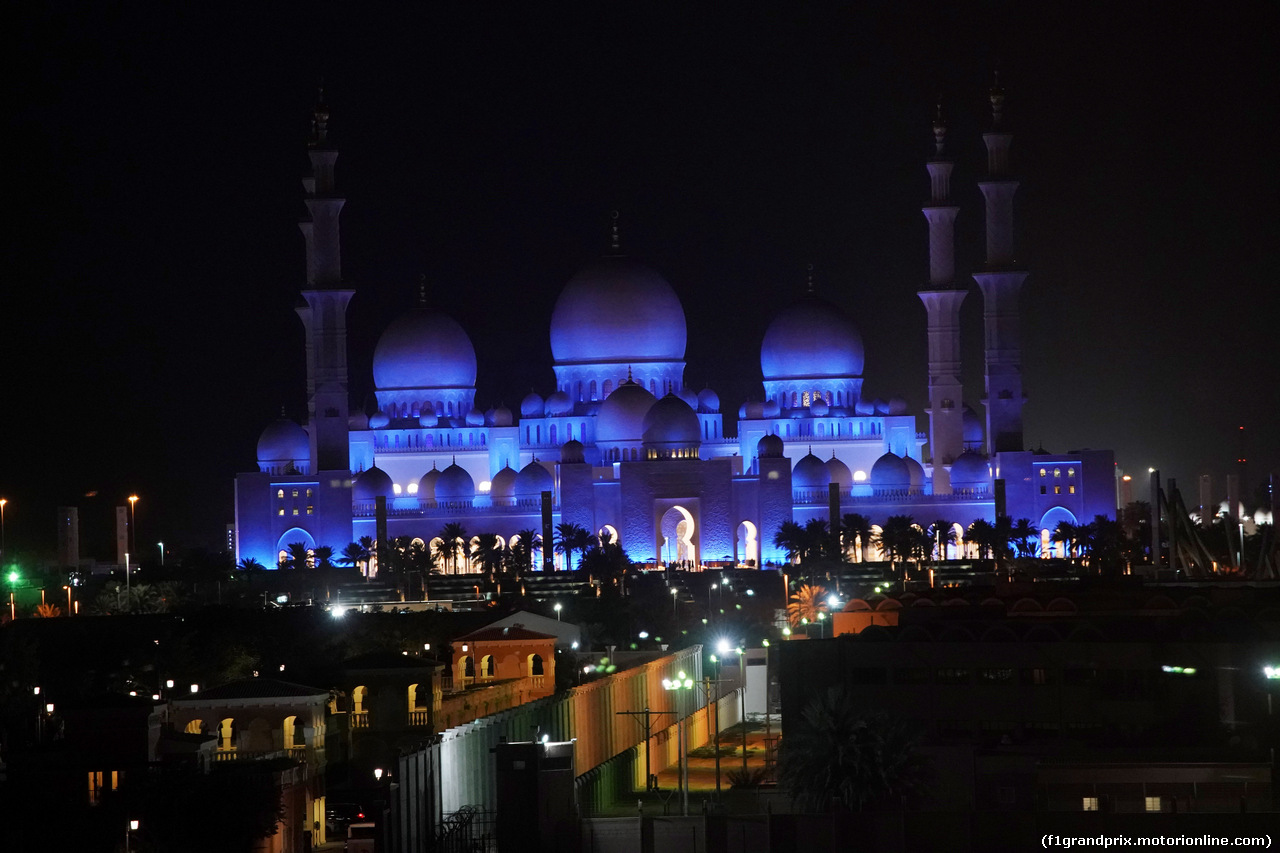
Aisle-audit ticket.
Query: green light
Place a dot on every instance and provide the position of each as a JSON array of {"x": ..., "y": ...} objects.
[{"x": 14, "y": 577}]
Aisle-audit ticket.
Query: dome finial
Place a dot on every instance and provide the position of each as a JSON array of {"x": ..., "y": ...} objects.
[
  {"x": 282, "y": 414},
  {"x": 615, "y": 238},
  {"x": 422, "y": 290},
  {"x": 319, "y": 120},
  {"x": 939, "y": 128},
  {"x": 996, "y": 94},
  {"x": 629, "y": 379},
  {"x": 810, "y": 285}
]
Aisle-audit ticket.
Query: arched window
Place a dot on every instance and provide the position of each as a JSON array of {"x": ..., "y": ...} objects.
[
  {"x": 592, "y": 389},
  {"x": 607, "y": 389},
  {"x": 551, "y": 434}
]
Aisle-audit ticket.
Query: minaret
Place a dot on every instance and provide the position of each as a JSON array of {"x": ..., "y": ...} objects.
[
  {"x": 942, "y": 302},
  {"x": 324, "y": 315},
  {"x": 1000, "y": 284}
]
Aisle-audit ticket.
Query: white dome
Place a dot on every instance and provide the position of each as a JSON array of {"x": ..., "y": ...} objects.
[
  {"x": 811, "y": 339},
  {"x": 559, "y": 404},
  {"x": 424, "y": 349},
  {"x": 502, "y": 417},
  {"x": 621, "y": 417},
  {"x": 671, "y": 421},
  {"x": 503, "y": 484},
  {"x": 283, "y": 444},
  {"x": 617, "y": 311},
  {"x": 708, "y": 401},
  {"x": 427, "y": 485},
  {"x": 532, "y": 406}
]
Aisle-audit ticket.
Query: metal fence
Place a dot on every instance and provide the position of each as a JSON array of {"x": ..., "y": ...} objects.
[{"x": 468, "y": 830}]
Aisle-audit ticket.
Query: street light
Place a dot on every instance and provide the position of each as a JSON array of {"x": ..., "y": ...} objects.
[
  {"x": 133, "y": 827},
  {"x": 674, "y": 592},
  {"x": 681, "y": 682},
  {"x": 133, "y": 517},
  {"x": 557, "y": 609},
  {"x": 3, "y": 501},
  {"x": 160, "y": 545}
]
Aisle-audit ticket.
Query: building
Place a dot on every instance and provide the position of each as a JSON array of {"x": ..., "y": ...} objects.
[{"x": 624, "y": 449}]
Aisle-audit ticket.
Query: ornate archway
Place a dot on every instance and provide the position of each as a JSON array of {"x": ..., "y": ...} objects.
[{"x": 676, "y": 530}]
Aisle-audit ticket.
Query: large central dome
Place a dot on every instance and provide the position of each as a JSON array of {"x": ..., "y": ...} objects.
[
  {"x": 617, "y": 311},
  {"x": 812, "y": 338},
  {"x": 424, "y": 349}
]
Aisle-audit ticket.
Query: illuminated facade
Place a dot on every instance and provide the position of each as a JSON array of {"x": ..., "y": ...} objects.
[{"x": 624, "y": 448}]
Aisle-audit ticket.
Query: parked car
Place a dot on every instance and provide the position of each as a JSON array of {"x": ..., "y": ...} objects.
[{"x": 339, "y": 815}]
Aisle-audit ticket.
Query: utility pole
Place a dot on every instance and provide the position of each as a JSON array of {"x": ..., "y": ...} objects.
[{"x": 648, "y": 730}]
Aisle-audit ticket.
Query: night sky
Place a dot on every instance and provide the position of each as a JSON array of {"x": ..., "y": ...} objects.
[{"x": 153, "y": 258}]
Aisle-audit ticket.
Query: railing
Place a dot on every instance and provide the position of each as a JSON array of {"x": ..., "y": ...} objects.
[
  {"x": 537, "y": 680},
  {"x": 359, "y": 719},
  {"x": 419, "y": 718}
]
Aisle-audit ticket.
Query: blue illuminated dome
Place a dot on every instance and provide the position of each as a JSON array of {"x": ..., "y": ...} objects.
[
  {"x": 501, "y": 417},
  {"x": 970, "y": 471},
  {"x": 838, "y": 472},
  {"x": 533, "y": 480},
  {"x": 283, "y": 444},
  {"x": 455, "y": 485},
  {"x": 559, "y": 404},
  {"x": 617, "y": 311},
  {"x": 810, "y": 473},
  {"x": 972, "y": 426},
  {"x": 532, "y": 406},
  {"x": 915, "y": 471},
  {"x": 708, "y": 401},
  {"x": 424, "y": 349},
  {"x": 812, "y": 338},
  {"x": 671, "y": 422},
  {"x": 427, "y": 485},
  {"x": 371, "y": 484},
  {"x": 621, "y": 417},
  {"x": 503, "y": 485},
  {"x": 890, "y": 474},
  {"x": 572, "y": 452}
]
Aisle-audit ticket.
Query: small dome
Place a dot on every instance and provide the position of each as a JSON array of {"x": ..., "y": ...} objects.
[
  {"x": 559, "y": 404},
  {"x": 379, "y": 420},
  {"x": 811, "y": 339},
  {"x": 819, "y": 408},
  {"x": 970, "y": 471},
  {"x": 475, "y": 417},
  {"x": 770, "y": 409},
  {"x": 427, "y": 485},
  {"x": 283, "y": 443},
  {"x": 621, "y": 417},
  {"x": 502, "y": 417},
  {"x": 798, "y": 414},
  {"x": 671, "y": 421},
  {"x": 770, "y": 447},
  {"x": 371, "y": 484},
  {"x": 897, "y": 406},
  {"x": 617, "y": 311},
  {"x": 424, "y": 349},
  {"x": 690, "y": 398},
  {"x": 572, "y": 453},
  {"x": 754, "y": 410},
  {"x": 533, "y": 480},
  {"x": 864, "y": 408},
  {"x": 890, "y": 473},
  {"x": 455, "y": 484},
  {"x": 915, "y": 471},
  {"x": 708, "y": 401},
  {"x": 532, "y": 406},
  {"x": 972, "y": 426},
  {"x": 881, "y": 407},
  {"x": 838, "y": 472},
  {"x": 503, "y": 484},
  {"x": 810, "y": 473}
]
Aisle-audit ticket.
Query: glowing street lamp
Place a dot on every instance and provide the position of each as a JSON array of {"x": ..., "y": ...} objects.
[
  {"x": 3, "y": 501},
  {"x": 133, "y": 517},
  {"x": 160, "y": 545},
  {"x": 557, "y": 609}
]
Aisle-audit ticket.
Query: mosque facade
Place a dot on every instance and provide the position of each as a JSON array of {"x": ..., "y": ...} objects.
[{"x": 624, "y": 449}]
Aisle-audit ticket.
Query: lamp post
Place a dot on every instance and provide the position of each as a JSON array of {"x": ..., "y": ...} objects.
[
  {"x": 132, "y": 828},
  {"x": 3, "y": 501},
  {"x": 681, "y": 682},
  {"x": 133, "y": 518},
  {"x": 67, "y": 587},
  {"x": 160, "y": 545},
  {"x": 557, "y": 609},
  {"x": 674, "y": 593}
]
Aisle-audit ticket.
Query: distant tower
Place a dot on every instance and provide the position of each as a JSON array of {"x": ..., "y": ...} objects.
[
  {"x": 942, "y": 302},
  {"x": 1000, "y": 284},
  {"x": 69, "y": 536},
  {"x": 325, "y": 313}
]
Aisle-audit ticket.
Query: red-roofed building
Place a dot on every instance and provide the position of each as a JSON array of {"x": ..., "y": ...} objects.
[{"x": 497, "y": 653}]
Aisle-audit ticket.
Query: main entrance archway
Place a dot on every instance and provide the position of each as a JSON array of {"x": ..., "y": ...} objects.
[
  {"x": 677, "y": 529},
  {"x": 748, "y": 544}
]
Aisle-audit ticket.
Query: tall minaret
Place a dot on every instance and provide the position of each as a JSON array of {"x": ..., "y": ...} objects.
[
  {"x": 325, "y": 313},
  {"x": 1000, "y": 284},
  {"x": 942, "y": 302}
]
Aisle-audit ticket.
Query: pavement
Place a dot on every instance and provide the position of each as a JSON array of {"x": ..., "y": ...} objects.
[{"x": 702, "y": 771}]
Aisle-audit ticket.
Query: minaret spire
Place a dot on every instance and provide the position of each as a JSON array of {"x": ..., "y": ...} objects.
[
  {"x": 810, "y": 284},
  {"x": 324, "y": 316},
  {"x": 1000, "y": 284},
  {"x": 942, "y": 301},
  {"x": 615, "y": 236}
]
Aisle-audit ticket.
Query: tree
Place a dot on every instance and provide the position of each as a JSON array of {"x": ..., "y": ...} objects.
[
  {"x": 898, "y": 538},
  {"x": 1104, "y": 545},
  {"x": 249, "y": 566},
  {"x": 48, "y": 611},
  {"x": 605, "y": 561},
  {"x": 805, "y": 605},
  {"x": 791, "y": 539},
  {"x": 570, "y": 537},
  {"x": 357, "y": 554},
  {"x": 942, "y": 533},
  {"x": 816, "y": 539},
  {"x": 1024, "y": 536},
  {"x": 296, "y": 556},
  {"x": 323, "y": 557},
  {"x": 1067, "y": 534},
  {"x": 453, "y": 542},
  {"x": 522, "y": 551},
  {"x": 854, "y": 529},
  {"x": 491, "y": 553},
  {"x": 983, "y": 534},
  {"x": 840, "y": 759}
]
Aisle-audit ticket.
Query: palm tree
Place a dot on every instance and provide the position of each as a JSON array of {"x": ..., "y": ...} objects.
[
  {"x": 522, "y": 553},
  {"x": 806, "y": 604},
  {"x": 249, "y": 565},
  {"x": 490, "y": 552},
  {"x": 569, "y": 538},
  {"x": 454, "y": 538},
  {"x": 897, "y": 538},
  {"x": 48, "y": 611},
  {"x": 855, "y": 528},
  {"x": 791, "y": 539},
  {"x": 816, "y": 537},
  {"x": 943, "y": 533},
  {"x": 323, "y": 557},
  {"x": 356, "y": 554},
  {"x": 839, "y": 759},
  {"x": 297, "y": 556},
  {"x": 1001, "y": 536},
  {"x": 983, "y": 534},
  {"x": 1024, "y": 534},
  {"x": 1066, "y": 534}
]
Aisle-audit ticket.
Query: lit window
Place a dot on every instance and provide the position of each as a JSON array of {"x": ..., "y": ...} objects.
[
  {"x": 308, "y": 494},
  {"x": 280, "y": 511},
  {"x": 859, "y": 476},
  {"x": 1057, "y": 490},
  {"x": 1152, "y": 803},
  {"x": 311, "y": 510},
  {"x": 395, "y": 487},
  {"x": 280, "y": 493},
  {"x": 295, "y": 510},
  {"x": 1090, "y": 804},
  {"x": 804, "y": 398},
  {"x": 1057, "y": 472},
  {"x": 413, "y": 488},
  {"x": 1071, "y": 472},
  {"x": 1043, "y": 472},
  {"x": 1071, "y": 488},
  {"x": 295, "y": 493}
]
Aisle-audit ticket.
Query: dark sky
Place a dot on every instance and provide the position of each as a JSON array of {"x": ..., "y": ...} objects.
[{"x": 153, "y": 258}]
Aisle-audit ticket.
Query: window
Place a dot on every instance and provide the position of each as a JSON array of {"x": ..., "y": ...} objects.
[
  {"x": 1152, "y": 804},
  {"x": 1071, "y": 472},
  {"x": 395, "y": 487},
  {"x": 295, "y": 493},
  {"x": 295, "y": 510},
  {"x": 1037, "y": 676},
  {"x": 995, "y": 676},
  {"x": 1089, "y": 804},
  {"x": 1057, "y": 472},
  {"x": 280, "y": 511},
  {"x": 280, "y": 493},
  {"x": 1071, "y": 488},
  {"x": 804, "y": 398},
  {"x": 311, "y": 510},
  {"x": 1043, "y": 490},
  {"x": 1057, "y": 490},
  {"x": 1043, "y": 472},
  {"x": 308, "y": 494}
]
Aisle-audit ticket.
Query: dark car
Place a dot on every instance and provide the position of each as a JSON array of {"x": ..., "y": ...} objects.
[{"x": 339, "y": 815}]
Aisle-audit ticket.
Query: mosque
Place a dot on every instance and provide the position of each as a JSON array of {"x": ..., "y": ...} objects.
[{"x": 624, "y": 449}]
